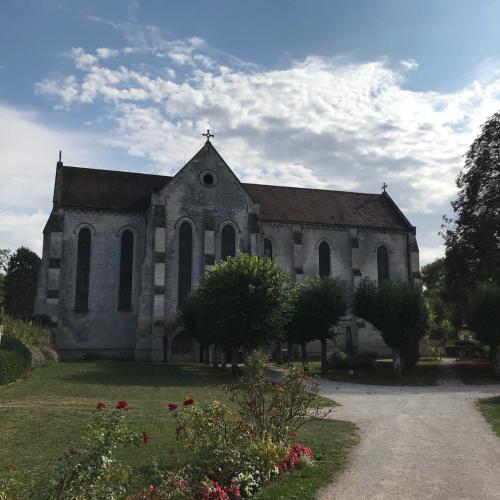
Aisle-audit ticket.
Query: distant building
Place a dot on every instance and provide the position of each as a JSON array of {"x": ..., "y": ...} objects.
[{"x": 121, "y": 250}]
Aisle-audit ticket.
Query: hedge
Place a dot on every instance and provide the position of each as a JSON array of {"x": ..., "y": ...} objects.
[{"x": 15, "y": 359}]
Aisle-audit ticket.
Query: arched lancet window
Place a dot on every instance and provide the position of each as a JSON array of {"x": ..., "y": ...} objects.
[
  {"x": 228, "y": 242},
  {"x": 185, "y": 261},
  {"x": 324, "y": 259},
  {"x": 126, "y": 271},
  {"x": 382, "y": 264},
  {"x": 83, "y": 270},
  {"x": 268, "y": 248}
]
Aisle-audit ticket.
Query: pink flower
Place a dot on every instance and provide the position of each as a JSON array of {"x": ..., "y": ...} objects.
[
  {"x": 172, "y": 406},
  {"x": 189, "y": 401},
  {"x": 122, "y": 405},
  {"x": 100, "y": 406}
]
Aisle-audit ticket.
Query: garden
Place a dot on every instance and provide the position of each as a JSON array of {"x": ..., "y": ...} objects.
[{"x": 107, "y": 429}]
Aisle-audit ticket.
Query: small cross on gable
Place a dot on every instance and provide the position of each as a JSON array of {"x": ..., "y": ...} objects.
[
  {"x": 384, "y": 186},
  {"x": 208, "y": 135}
]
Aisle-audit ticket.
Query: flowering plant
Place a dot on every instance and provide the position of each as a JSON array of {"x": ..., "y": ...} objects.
[{"x": 92, "y": 470}]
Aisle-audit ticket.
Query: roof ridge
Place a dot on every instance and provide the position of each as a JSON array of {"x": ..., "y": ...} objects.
[
  {"x": 310, "y": 189},
  {"x": 117, "y": 171}
]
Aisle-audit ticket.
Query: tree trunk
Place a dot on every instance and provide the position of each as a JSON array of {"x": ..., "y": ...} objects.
[
  {"x": 215, "y": 361},
  {"x": 397, "y": 363},
  {"x": 495, "y": 361},
  {"x": 324, "y": 357},
  {"x": 290, "y": 353},
  {"x": 234, "y": 362},
  {"x": 223, "y": 360},
  {"x": 303, "y": 350}
]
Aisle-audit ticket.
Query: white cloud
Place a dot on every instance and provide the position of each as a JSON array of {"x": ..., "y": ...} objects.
[
  {"x": 18, "y": 230},
  {"x": 318, "y": 122},
  {"x": 106, "y": 53},
  {"x": 29, "y": 154}
]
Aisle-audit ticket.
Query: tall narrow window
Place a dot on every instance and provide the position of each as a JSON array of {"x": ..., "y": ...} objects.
[
  {"x": 228, "y": 243},
  {"x": 268, "y": 248},
  {"x": 185, "y": 261},
  {"x": 83, "y": 271},
  {"x": 324, "y": 259},
  {"x": 382, "y": 264},
  {"x": 126, "y": 271}
]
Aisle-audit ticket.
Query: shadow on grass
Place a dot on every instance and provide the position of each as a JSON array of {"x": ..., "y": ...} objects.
[
  {"x": 118, "y": 373},
  {"x": 475, "y": 372}
]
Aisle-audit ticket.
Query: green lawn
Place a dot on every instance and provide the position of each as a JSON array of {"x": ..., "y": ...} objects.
[
  {"x": 424, "y": 374},
  {"x": 43, "y": 416},
  {"x": 490, "y": 408}
]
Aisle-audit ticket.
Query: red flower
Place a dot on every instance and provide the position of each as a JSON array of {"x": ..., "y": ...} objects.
[
  {"x": 293, "y": 434},
  {"x": 122, "y": 405},
  {"x": 188, "y": 402},
  {"x": 172, "y": 406},
  {"x": 252, "y": 433},
  {"x": 72, "y": 453},
  {"x": 145, "y": 438},
  {"x": 100, "y": 406}
]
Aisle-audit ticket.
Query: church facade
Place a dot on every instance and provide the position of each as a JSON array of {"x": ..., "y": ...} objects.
[{"x": 122, "y": 250}]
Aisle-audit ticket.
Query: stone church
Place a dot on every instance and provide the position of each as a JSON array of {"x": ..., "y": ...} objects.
[{"x": 121, "y": 250}]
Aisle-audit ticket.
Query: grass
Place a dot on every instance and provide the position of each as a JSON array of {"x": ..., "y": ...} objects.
[
  {"x": 490, "y": 408},
  {"x": 425, "y": 373},
  {"x": 43, "y": 416},
  {"x": 475, "y": 372}
]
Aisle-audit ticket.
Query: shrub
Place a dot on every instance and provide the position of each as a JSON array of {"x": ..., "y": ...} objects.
[
  {"x": 93, "y": 471},
  {"x": 15, "y": 359},
  {"x": 28, "y": 332},
  {"x": 363, "y": 360}
]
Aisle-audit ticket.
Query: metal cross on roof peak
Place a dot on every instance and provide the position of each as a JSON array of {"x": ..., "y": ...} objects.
[
  {"x": 384, "y": 186},
  {"x": 208, "y": 135}
]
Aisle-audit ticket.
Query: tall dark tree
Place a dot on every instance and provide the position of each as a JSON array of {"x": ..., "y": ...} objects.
[
  {"x": 472, "y": 236},
  {"x": 396, "y": 309},
  {"x": 20, "y": 283},
  {"x": 483, "y": 316},
  {"x": 241, "y": 303},
  {"x": 4, "y": 259},
  {"x": 319, "y": 306}
]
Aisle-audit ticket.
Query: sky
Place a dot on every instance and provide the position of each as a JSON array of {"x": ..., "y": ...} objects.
[{"x": 328, "y": 94}]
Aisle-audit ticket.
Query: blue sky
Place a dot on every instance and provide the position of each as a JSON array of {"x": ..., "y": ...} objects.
[{"x": 339, "y": 95}]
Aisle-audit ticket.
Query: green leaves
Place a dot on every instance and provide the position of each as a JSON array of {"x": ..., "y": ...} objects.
[
  {"x": 241, "y": 302},
  {"x": 483, "y": 314}
]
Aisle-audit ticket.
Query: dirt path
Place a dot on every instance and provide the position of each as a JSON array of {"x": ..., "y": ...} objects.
[{"x": 417, "y": 442}]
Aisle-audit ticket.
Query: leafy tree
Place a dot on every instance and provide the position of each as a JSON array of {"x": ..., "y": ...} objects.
[
  {"x": 20, "y": 283},
  {"x": 318, "y": 306},
  {"x": 483, "y": 316},
  {"x": 4, "y": 258},
  {"x": 472, "y": 237},
  {"x": 241, "y": 303},
  {"x": 440, "y": 315},
  {"x": 396, "y": 309}
]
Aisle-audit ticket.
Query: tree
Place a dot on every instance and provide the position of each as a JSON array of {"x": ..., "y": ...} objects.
[
  {"x": 472, "y": 237},
  {"x": 4, "y": 258},
  {"x": 440, "y": 315},
  {"x": 318, "y": 306},
  {"x": 21, "y": 282},
  {"x": 483, "y": 317},
  {"x": 241, "y": 303},
  {"x": 396, "y": 309}
]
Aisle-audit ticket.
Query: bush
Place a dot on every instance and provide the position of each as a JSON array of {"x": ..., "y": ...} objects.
[
  {"x": 363, "y": 360},
  {"x": 94, "y": 471},
  {"x": 29, "y": 332},
  {"x": 15, "y": 359},
  {"x": 234, "y": 451},
  {"x": 12, "y": 366}
]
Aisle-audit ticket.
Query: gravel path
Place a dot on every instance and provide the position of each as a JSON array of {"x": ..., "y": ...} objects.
[{"x": 417, "y": 442}]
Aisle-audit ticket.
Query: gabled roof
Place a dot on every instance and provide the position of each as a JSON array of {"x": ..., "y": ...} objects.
[
  {"x": 108, "y": 189},
  {"x": 111, "y": 190},
  {"x": 324, "y": 207}
]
